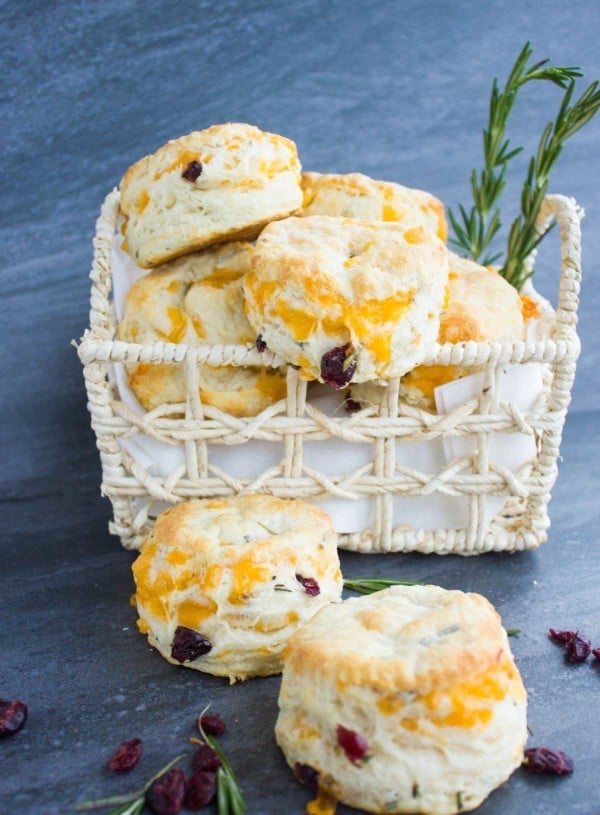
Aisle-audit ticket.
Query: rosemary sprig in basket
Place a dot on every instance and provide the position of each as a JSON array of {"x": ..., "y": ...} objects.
[{"x": 477, "y": 227}]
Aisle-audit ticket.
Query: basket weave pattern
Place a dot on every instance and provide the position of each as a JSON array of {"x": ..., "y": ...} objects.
[{"x": 290, "y": 423}]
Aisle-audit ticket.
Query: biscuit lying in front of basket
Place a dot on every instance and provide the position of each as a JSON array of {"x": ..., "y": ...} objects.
[
  {"x": 345, "y": 299},
  {"x": 420, "y": 707},
  {"x": 482, "y": 307},
  {"x": 355, "y": 195},
  {"x": 210, "y": 186},
  {"x": 197, "y": 299},
  {"x": 221, "y": 584}
]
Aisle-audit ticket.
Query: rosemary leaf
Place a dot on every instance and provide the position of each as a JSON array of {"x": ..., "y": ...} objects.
[
  {"x": 476, "y": 228},
  {"x": 230, "y": 799},
  {"x": 368, "y": 585},
  {"x": 130, "y": 804},
  {"x": 513, "y": 631}
]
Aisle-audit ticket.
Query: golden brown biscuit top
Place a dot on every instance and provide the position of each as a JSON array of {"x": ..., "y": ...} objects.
[
  {"x": 355, "y": 195},
  {"x": 406, "y": 638}
]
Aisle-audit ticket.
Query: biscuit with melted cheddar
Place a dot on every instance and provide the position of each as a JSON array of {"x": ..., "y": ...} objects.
[
  {"x": 419, "y": 708},
  {"x": 214, "y": 185},
  {"x": 221, "y": 584}
]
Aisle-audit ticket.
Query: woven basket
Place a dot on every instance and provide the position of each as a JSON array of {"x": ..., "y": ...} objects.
[{"x": 523, "y": 522}]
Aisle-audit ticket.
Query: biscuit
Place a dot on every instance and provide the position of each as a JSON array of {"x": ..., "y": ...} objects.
[
  {"x": 221, "y": 584},
  {"x": 197, "y": 300},
  {"x": 210, "y": 186},
  {"x": 355, "y": 195},
  {"x": 344, "y": 299},
  {"x": 481, "y": 306},
  {"x": 420, "y": 707}
]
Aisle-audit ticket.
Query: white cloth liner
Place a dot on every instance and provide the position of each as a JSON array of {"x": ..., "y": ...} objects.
[{"x": 520, "y": 384}]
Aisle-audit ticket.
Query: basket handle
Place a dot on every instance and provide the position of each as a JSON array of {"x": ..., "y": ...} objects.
[{"x": 568, "y": 216}]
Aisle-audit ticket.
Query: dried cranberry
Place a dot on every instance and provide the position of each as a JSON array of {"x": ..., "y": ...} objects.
[
  {"x": 338, "y": 366},
  {"x": 200, "y": 790},
  {"x": 353, "y": 744},
  {"x": 309, "y": 584},
  {"x": 306, "y": 775},
  {"x": 561, "y": 636},
  {"x": 205, "y": 758},
  {"x": 13, "y": 715},
  {"x": 126, "y": 756},
  {"x": 544, "y": 761},
  {"x": 212, "y": 724},
  {"x": 596, "y": 652},
  {"x": 261, "y": 345},
  {"x": 165, "y": 796},
  {"x": 578, "y": 648},
  {"x": 192, "y": 171},
  {"x": 188, "y": 644}
]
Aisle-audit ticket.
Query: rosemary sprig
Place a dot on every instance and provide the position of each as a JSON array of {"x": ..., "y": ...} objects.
[
  {"x": 368, "y": 585},
  {"x": 230, "y": 798},
  {"x": 478, "y": 227},
  {"x": 523, "y": 237},
  {"x": 131, "y": 803}
]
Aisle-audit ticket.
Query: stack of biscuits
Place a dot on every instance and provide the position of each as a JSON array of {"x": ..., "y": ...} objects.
[
  {"x": 420, "y": 706},
  {"x": 346, "y": 278}
]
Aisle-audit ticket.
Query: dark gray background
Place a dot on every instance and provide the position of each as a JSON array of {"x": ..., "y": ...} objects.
[{"x": 397, "y": 90}]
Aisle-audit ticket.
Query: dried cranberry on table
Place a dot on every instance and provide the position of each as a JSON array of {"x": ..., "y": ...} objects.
[
  {"x": 578, "y": 648},
  {"x": 338, "y": 366},
  {"x": 205, "y": 758},
  {"x": 213, "y": 724},
  {"x": 544, "y": 761},
  {"x": 126, "y": 756},
  {"x": 188, "y": 644},
  {"x": 192, "y": 171},
  {"x": 13, "y": 715},
  {"x": 200, "y": 790},
  {"x": 561, "y": 636},
  {"x": 309, "y": 585},
  {"x": 353, "y": 744},
  {"x": 596, "y": 653},
  {"x": 576, "y": 645},
  {"x": 165, "y": 796}
]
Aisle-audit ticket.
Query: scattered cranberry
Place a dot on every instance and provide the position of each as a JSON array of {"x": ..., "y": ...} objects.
[
  {"x": 188, "y": 644},
  {"x": 596, "y": 652},
  {"x": 306, "y": 775},
  {"x": 576, "y": 645},
  {"x": 335, "y": 368},
  {"x": 165, "y": 796},
  {"x": 212, "y": 724},
  {"x": 261, "y": 345},
  {"x": 561, "y": 636},
  {"x": 544, "y": 761},
  {"x": 309, "y": 584},
  {"x": 354, "y": 745},
  {"x": 126, "y": 756},
  {"x": 578, "y": 648},
  {"x": 13, "y": 715},
  {"x": 205, "y": 758},
  {"x": 200, "y": 790},
  {"x": 192, "y": 171}
]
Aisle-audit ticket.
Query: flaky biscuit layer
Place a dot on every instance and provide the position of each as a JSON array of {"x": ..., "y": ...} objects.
[
  {"x": 230, "y": 570},
  {"x": 198, "y": 299},
  {"x": 419, "y": 708},
  {"x": 214, "y": 185},
  {"x": 354, "y": 195},
  {"x": 371, "y": 288}
]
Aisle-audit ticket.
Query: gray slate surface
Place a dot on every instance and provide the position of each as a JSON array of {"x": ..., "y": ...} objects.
[{"x": 397, "y": 90}]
